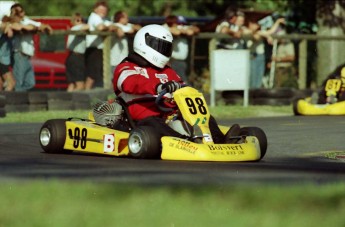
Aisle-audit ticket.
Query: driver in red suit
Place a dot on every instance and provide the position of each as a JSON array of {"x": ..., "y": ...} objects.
[{"x": 143, "y": 74}]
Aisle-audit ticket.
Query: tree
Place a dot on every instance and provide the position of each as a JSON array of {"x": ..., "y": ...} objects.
[
  {"x": 149, "y": 7},
  {"x": 331, "y": 21}
]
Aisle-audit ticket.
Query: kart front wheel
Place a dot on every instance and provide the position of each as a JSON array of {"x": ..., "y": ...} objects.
[
  {"x": 52, "y": 136},
  {"x": 144, "y": 142},
  {"x": 259, "y": 134}
]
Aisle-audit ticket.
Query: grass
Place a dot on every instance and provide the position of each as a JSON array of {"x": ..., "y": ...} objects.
[
  {"x": 86, "y": 203},
  {"x": 59, "y": 203},
  {"x": 221, "y": 112},
  {"x": 227, "y": 112}
]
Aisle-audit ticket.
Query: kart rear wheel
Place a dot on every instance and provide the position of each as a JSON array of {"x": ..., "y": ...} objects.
[
  {"x": 295, "y": 106},
  {"x": 144, "y": 142},
  {"x": 53, "y": 135},
  {"x": 259, "y": 134}
]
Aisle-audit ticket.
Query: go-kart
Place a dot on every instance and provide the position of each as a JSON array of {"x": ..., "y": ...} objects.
[
  {"x": 109, "y": 130},
  {"x": 306, "y": 107},
  {"x": 309, "y": 105}
]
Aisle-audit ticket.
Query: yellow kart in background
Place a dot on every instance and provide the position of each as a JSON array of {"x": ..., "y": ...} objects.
[
  {"x": 309, "y": 106},
  {"x": 110, "y": 131},
  {"x": 305, "y": 107}
]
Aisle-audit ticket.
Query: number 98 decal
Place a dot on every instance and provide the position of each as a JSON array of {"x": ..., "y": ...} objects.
[
  {"x": 79, "y": 137},
  {"x": 196, "y": 105}
]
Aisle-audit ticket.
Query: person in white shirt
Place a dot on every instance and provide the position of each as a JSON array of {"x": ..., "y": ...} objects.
[
  {"x": 284, "y": 59},
  {"x": 285, "y": 72},
  {"x": 119, "y": 42},
  {"x": 75, "y": 61},
  {"x": 24, "y": 49},
  {"x": 178, "y": 27},
  {"x": 94, "y": 45}
]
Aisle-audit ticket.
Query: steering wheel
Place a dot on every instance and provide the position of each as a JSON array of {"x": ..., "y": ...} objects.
[{"x": 159, "y": 101}]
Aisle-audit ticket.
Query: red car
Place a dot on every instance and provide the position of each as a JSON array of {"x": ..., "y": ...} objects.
[
  {"x": 49, "y": 74},
  {"x": 50, "y": 55}
]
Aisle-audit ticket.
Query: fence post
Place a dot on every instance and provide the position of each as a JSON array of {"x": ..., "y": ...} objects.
[
  {"x": 273, "y": 64},
  {"x": 106, "y": 63},
  {"x": 302, "y": 64}
]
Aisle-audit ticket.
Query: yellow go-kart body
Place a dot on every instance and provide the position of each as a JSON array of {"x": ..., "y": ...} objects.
[
  {"x": 60, "y": 135},
  {"x": 306, "y": 107},
  {"x": 85, "y": 136}
]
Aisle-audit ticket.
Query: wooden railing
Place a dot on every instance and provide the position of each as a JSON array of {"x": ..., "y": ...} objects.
[{"x": 302, "y": 60}]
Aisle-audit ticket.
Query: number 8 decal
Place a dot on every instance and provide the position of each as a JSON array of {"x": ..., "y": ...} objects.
[
  {"x": 83, "y": 138},
  {"x": 200, "y": 106}
]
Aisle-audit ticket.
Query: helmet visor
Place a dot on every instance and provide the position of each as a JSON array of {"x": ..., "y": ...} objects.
[{"x": 162, "y": 46}]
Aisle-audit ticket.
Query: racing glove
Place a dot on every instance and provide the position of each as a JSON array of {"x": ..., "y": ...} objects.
[{"x": 170, "y": 86}]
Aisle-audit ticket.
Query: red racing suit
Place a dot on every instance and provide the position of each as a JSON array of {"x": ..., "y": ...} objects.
[{"x": 137, "y": 86}]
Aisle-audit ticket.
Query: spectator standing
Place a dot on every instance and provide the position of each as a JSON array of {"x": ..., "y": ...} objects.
[
  {"x": 6, "y": 34},
  {"x": 24, "y": 49},
  {"x": 256, "y": 46},
  {"x": 178, "y": 27},
  {"x": 232, "y": 26},
  {"x": 284, "y": 59},
  {"x": 281, "y": 61},
  {"x": 94, "y": 45},
  {"x": 119, "y": 42},
  {"x": 75, "y": 61}
]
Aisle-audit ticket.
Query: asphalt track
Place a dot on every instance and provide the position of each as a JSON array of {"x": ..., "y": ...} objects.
[{"x": 296, "y": 154}]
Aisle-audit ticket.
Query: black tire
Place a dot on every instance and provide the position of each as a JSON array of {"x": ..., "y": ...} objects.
[
  {"x": 274, "y": 93},
  {"x": 295, "y": 107},
  {"x": 233, "y": 101},
  {"x": 52, "y": 136},
  {"x": 38, "y": 97},
  {"x": 60, "y": 95},
  {"x": 81, "y": 97},
  {"x": 82, "y": 106},
  {"x": 38, "y": 107},
  {"x": 99, "y": 94},
  {"x": 232, "y": 94},
  {"x": 304, "y": 93},
  {"x": 2, "y": 101},
  {"x": 60, "y": 105},
  {"x": 17, "y": 97},
  {"x": 270, "y": 101},
  {"x": 17, "y": 108},
  {"x": 2, "y": 112},
  {"x": 144, "y": 143},
  {"x": 259, "y": 134},
  {"x": 233, "y": 97}
]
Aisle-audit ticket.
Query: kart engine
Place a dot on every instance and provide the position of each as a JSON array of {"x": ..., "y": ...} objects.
[{"x": 107, "y": 114}]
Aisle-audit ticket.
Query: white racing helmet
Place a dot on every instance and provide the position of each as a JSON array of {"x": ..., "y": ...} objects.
[{"x": 154, "y": 43}]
